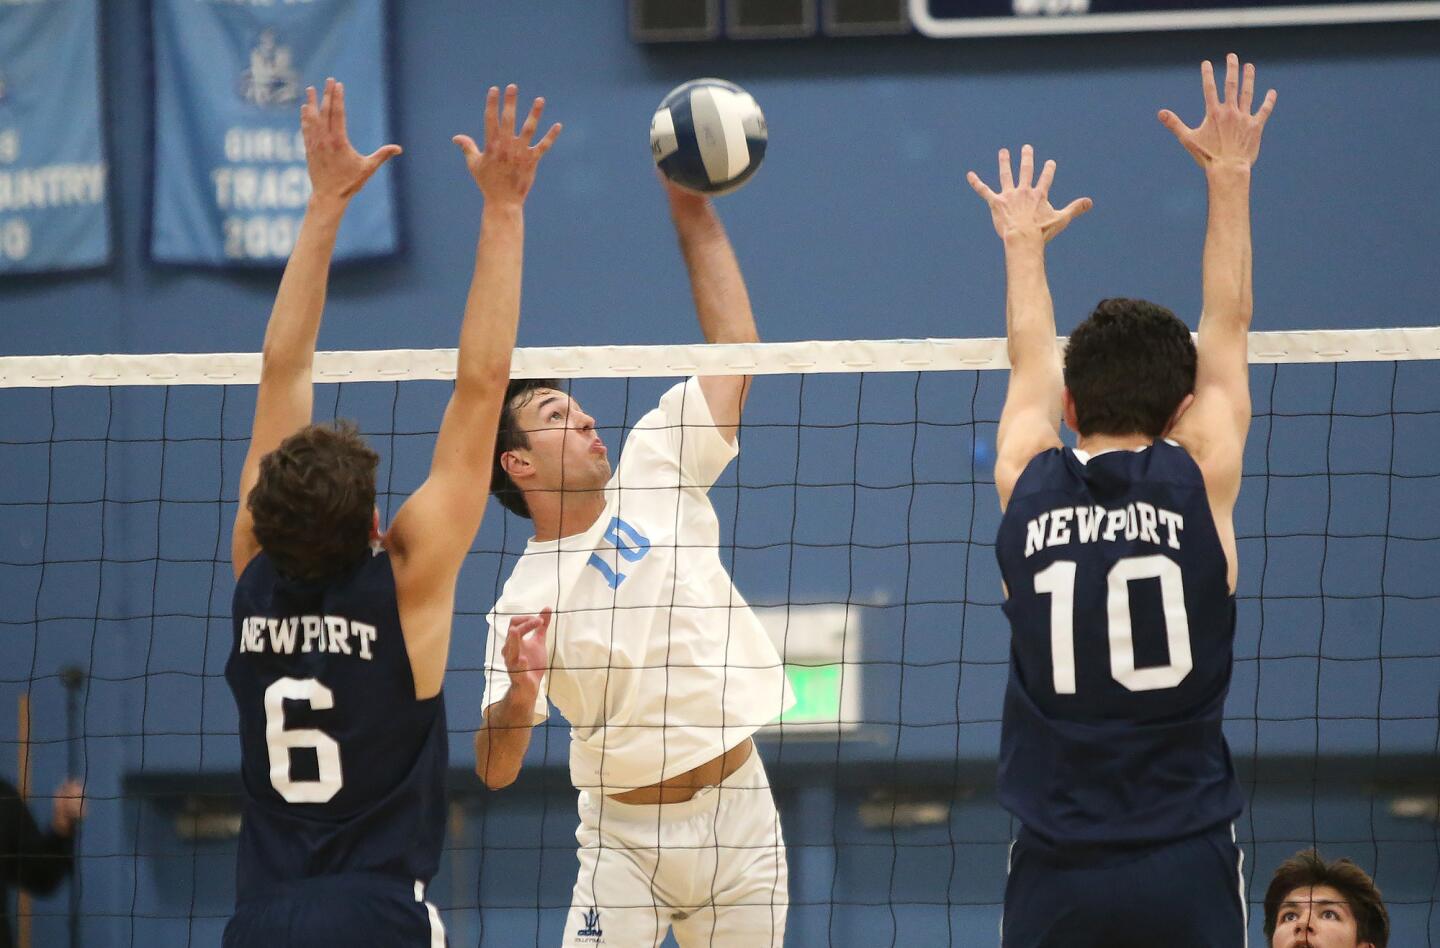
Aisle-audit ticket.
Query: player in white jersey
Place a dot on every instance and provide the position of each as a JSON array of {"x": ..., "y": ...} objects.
[{"x": 654, "y": 658}]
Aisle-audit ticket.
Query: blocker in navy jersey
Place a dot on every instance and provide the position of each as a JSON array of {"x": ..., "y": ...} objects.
[
  {"x": 1122, "y": 631},
  {"x": 343, "y": 768}
]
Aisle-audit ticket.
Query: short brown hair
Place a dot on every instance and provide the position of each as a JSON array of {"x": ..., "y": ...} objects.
[
  {"x": 510, "y": 436},
  {"x": 1372, "y": 921},
  {"x": 314, "y": 502},
  {"x": 1128, "y": 367}
]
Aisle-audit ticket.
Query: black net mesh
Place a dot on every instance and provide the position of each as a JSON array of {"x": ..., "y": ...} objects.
[{"x": 859, "y": 519}]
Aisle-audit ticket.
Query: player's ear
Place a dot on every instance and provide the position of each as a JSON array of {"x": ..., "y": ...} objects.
[
  {"x": 1067, "y": 409},
  {"x": 516, "y": 465},
  {"x": 1180, "y": 410},
  {"x": 375, "y": 534}
]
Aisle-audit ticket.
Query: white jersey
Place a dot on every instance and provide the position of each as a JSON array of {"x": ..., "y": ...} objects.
[{"x": 656, "y": 660}]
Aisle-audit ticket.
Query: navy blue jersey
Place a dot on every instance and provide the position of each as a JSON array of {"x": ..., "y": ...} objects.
[
  {"x": 344, "y": 769},
  {"x": 1122, "y": 632}
]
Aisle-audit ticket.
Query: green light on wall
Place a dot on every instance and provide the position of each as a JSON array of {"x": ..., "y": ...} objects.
[{"x": 817, "y": 694}]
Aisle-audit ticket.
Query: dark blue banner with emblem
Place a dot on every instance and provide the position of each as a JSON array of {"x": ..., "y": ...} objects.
[
  {"x": 957, "y": 18},
  {"x": 230, "y": 75},
  {"x": 53, "y": 210}
]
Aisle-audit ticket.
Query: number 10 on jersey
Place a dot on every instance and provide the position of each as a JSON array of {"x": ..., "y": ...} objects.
[{"x": 1058, "y": 582}]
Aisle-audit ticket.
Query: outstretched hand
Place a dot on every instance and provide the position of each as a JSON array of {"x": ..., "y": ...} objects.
[
  {"x": 1024, "y": 206},
  {"x": 69, "y": 807},
  {"x": 337, "y": 170},
  {"x": 525, "y": 653},
  {"x": 1230, "y": 134},
  {"x": 505, "y": 169}
]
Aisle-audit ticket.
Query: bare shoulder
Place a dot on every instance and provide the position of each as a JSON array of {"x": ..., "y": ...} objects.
[
  {"x": 426, "y": 610},
  {"x": 1219, "y": 451},
  {"x": 1220, "y": 462},
  {"x": 414, "y": 585},
  {"x": 1015, "y": 454}
]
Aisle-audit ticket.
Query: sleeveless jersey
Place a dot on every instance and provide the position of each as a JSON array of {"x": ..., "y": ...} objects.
[
  {"x": 344, "y": 770},
  {"x": 1122, "y": 633}
]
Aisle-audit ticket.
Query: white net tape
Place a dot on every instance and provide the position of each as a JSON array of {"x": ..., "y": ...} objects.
[{"x": 774, "y": 358}]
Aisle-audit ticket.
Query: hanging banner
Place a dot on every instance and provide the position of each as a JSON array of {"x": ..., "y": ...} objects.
[
  {"x": 955, "y": 18},
  {"x": 230, "y": 75},
  {"x": 53, "y": 205}
]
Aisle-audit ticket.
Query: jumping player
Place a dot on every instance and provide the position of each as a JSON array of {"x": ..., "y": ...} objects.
[
  {"x": 655, "y": 659},
  {"x": 1119, "y": 562},
  {"x": 341, "y": 633}
]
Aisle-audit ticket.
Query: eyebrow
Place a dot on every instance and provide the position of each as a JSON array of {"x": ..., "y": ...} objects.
[
  {"x": 1294, "y": 903},
  {"x": 540, "y": 405}
]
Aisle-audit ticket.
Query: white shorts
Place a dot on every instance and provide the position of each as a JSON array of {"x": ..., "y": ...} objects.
[{"x": 712, "y": 868}]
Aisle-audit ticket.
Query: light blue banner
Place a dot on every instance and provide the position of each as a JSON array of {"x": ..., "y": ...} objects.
[
  {"x": 53, "y": 205},
  {"x": 230, "y": 75}
]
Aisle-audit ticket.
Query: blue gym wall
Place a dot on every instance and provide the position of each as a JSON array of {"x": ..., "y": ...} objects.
[{"x": 860, "y": 225}]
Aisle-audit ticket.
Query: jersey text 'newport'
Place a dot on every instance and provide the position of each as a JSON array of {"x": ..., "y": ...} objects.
[
  {"x": 335, "y": 635},
  {"x": 1136, "y": 521}
]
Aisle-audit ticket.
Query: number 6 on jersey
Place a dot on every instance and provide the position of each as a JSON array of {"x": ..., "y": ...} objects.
[{"x": 281, "y": 741}]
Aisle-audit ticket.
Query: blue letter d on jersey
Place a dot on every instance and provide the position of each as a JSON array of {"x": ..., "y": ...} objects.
[{"x": 630, "y": 543}]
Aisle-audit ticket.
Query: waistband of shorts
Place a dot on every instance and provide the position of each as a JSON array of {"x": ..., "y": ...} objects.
[
  {"x": 340, "y": 883},
  {"x": 705, "y": 799},
  {"x": 1101, "y": 853}
]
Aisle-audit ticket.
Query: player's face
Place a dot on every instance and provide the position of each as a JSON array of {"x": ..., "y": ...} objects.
[
  {"x": 564, "y": 447},
  {"x": 1315, "y": 917}
]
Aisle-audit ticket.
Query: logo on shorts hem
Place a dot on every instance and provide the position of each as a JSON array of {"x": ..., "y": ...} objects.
[{"x": 591, "y": 929}]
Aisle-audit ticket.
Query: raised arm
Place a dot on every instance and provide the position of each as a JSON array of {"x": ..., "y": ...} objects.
[
  {"x": 1025, "y": 221},
  {"x": 433, "y": 530},
  {"x": 1225, "y": 146},
  {"x": 283, "y": 405},
  {"x": 721, "y": 300},
  {"x": 504, "y": 734},
  {"x": 33, "y": 859}
]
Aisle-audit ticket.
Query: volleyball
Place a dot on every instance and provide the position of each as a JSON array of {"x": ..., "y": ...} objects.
[{"x": 708, "y": 135}]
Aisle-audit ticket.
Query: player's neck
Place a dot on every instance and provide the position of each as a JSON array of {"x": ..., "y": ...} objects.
[
  {"x": 1095, "y": 444},
  {"x": 565, "y": 513}
]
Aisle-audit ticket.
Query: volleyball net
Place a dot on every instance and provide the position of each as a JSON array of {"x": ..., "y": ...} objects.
[{"x": 858, "y": 519}]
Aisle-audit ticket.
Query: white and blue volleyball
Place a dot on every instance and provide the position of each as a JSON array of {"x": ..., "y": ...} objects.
[{"x": 708, "y": 135}]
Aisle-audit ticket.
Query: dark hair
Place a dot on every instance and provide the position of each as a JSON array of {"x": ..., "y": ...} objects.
[
  {"x": 510, "y": 436},
  {"x": 1128, "y": 367},
  {"x": 314, "y": 501},
  {"x": 1372, "y": 921}
]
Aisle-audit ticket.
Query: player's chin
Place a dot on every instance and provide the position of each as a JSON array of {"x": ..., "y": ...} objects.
[{"x": 591, "y": 472}]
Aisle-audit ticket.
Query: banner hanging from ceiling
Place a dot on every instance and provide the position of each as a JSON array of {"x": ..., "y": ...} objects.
[
  {"x": 54, "y": 213},
  {"x": 230, "y": 184}
]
